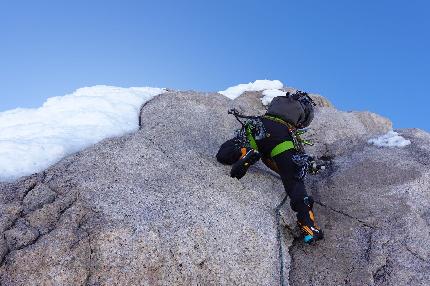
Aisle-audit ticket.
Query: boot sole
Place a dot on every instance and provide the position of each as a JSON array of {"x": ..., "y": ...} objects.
[{"x": 238, "y": 170}]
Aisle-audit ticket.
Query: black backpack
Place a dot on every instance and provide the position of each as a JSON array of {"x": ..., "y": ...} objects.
[{"x": 295, "y": 108}]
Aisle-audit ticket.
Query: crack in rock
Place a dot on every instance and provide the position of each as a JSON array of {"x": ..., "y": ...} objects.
[
  {"x": 141, "y": 110},
  {"x": 417, "y": 256},
  {"x": 380, "y": 276},
  {"x": 20, "y": 234},
  {"x": 345, "y": 214},
  {"x": 368, "y": 249}
]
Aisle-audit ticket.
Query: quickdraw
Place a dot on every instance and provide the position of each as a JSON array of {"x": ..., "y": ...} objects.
[{"x": 252, "y": 129}]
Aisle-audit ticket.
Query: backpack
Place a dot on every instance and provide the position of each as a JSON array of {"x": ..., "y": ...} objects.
[{"x": 296, "y": 109}]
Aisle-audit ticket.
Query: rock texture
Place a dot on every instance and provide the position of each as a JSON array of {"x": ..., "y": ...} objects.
[{"x": 155, "y": 208}]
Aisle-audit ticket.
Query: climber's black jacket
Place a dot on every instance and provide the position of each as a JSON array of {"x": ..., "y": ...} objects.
[{"x": 282, "y": 163}]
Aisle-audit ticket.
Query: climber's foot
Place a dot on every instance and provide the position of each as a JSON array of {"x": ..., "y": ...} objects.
[
  {"x": 249, "y": 157},
  {"x": 310, "y": 233},
  {"x": 307, "y": 225}
]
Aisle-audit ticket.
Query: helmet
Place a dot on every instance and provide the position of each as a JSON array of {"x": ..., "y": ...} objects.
[{"x": 307, "y": 105}]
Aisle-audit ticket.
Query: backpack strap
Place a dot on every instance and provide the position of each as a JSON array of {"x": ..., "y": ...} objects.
[
  {"x": 288, "y": 144},
  {"x": 279, "y": 120},
  {"x": 251, "y": 138}
]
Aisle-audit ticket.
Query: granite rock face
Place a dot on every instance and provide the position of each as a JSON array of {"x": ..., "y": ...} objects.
[
  {"x": 336, "y": 132},
  {"x": 155, "y": 207}
]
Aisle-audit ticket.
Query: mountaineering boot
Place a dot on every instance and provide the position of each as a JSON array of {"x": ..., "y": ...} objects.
[
  {"x": 306, "y": 223},
  {"x": 248, "y": 158}
]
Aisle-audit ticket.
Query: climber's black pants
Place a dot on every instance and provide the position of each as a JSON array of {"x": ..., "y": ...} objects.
[
  {"x": 294, "y": 186},
  {"x": 229, "y": 153}
]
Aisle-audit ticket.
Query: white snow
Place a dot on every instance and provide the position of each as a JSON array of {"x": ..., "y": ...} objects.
[
  {"x": 391, "y": 139},
  {"x": 270, "y": 94},
  {"x": 33, "y": 139},
  {"x": 258, "y": 85}
]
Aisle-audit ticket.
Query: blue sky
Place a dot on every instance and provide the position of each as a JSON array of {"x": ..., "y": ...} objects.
[{"x": 362, "y": 55}]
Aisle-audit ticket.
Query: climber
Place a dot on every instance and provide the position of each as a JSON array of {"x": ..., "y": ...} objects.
[{"x": 275, "y": 138}]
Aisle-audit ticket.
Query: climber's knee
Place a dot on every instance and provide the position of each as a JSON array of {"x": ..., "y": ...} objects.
[
  {"x": 270, "y": 164},
  {"x": 229, "y": 152}
]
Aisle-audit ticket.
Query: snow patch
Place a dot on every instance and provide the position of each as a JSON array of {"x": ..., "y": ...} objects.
[
  {"x": 33, "y": 139},
  {"x": 270, "y": 94},
  {"x": 391, "y": 139},
  {"x": 235, "y": 91}
]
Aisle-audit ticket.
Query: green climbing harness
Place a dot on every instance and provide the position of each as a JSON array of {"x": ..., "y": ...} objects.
[
  {"x": 250, "y": 137},
  {"x": 297, "y": 142},
  {"x": 253, "y": 130}
]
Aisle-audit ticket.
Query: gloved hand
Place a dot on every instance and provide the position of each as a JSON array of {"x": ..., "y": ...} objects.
[{"x": 249, "y": 157}]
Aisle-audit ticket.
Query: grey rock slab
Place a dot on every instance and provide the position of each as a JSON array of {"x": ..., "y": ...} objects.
[
  {"x": 321, "y": 101},
  {"x": 61, "y": 257},
  {"x": 336, "y": 132},
  {"x": 8, "y": 214},
  {"x": 20, "y": 235},
  {"x": 162, "y": 211},
  {"x": 372, "y": 205},
  {"x": 3, "y": 249},
  {"x": 154, "y": 207},
  {"x": 37, "y": 197}
]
